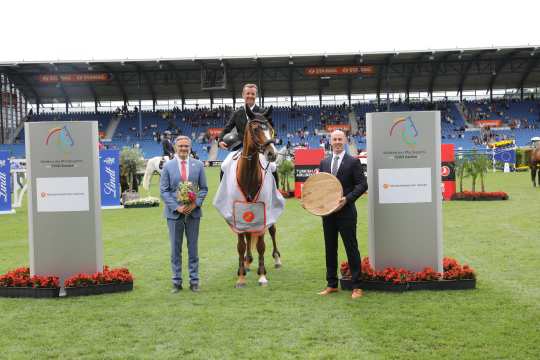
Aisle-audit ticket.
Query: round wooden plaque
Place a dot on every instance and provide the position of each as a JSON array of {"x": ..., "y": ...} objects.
[{"x": 321, "y": 193}]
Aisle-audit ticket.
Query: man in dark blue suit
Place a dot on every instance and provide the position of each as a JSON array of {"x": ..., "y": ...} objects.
[
  {"x": 183, "y": 218},
  {"x": 349, "y": 172}
]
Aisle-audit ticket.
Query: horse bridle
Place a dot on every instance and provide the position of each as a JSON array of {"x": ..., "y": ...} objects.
[{"x": 264, "y": 123}]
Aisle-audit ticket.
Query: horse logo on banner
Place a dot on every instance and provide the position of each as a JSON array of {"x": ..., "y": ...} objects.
[
  {"x": 407, "y": 129},
  {"x": 64, "y": 142}
]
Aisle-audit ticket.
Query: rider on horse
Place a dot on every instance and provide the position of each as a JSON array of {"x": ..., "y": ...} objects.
[
  {"x": 234, "y": 141},
  {"x": 168, "y": 149}
]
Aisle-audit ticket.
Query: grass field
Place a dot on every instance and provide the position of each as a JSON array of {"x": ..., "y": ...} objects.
[{"x": 498, "y": 320}]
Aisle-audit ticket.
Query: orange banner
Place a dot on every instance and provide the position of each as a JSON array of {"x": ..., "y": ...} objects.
[
  {"x": 74, "y": 78},
  {"x": 490, "y": 123},
  {"x": 214, "y": 132},
  {"x": 367, "y": 70},
  {"x": 344, "y": 127}
]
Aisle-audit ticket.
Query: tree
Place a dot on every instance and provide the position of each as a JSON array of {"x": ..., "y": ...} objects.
[
  {"x": 285, "y": 169},
  {"x": 131, "y": 159},
  {"x": 461, "y": 164},
  {"x": 471, "y": 170},
  {"x": 483, "y": 164}
]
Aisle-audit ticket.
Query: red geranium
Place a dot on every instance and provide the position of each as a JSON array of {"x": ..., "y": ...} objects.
[
  {"x": 20, "y": 277},
  {"x": 107, "y": 276},
  {"x": 452, "y": 271}
]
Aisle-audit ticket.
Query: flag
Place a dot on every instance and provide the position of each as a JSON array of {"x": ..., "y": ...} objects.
[{"x": 505, "y": 156}]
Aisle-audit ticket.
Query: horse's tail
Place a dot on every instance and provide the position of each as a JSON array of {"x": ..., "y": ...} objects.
[{"x": 147, "y": 175}]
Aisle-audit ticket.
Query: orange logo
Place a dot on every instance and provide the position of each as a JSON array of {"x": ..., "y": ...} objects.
[
  {"x": 248, "y": 216},
  {"x": 386, "y": 186}
]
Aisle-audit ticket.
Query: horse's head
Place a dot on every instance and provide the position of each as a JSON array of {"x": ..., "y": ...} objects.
[{"x": 259, "y": 133}]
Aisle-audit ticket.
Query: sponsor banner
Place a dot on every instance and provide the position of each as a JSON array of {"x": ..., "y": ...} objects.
[
  {"x": 5, "y": 183},
  {"x": 490, "y": 123},
  {"x": 502, "y": 143},
  {"x": 405, "y": 186},
  {"x": 109, "y": 169},
  {"x": 448, "y": 172},
  {"x": 344, "y": 127},
  {"x": 62, "y": 194},
  {"x": 367, "y": 70},
  {"x": 306, "y": 163},
  {"x": 74, "y": 78},
  {"x": 214, "y": 132}
]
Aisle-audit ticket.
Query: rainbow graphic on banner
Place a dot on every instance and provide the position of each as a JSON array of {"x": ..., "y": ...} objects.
[
  {"x": 405, "y": 126},
  {"x": 64, "y": 141}
]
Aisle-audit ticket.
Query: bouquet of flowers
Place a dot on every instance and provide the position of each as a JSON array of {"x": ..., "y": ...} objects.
[{"x": 186, "y": 194}]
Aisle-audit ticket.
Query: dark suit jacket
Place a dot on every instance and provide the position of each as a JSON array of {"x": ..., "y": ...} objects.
[
  {"x": 238, "y": 120},
  {"x": 352, "y": 179},
  {"x": 168, "y": 148}
]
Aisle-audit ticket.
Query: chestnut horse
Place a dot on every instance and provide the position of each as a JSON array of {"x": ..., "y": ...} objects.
[
  {"x": 534, "y": 161},
  {"x": 258, "y": 140}
]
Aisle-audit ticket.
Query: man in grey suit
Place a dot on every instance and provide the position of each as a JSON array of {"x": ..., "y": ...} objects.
[{"x": 183, "y": 218}]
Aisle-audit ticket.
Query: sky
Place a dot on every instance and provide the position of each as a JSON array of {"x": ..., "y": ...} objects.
[{"x": 101, "y": 30}]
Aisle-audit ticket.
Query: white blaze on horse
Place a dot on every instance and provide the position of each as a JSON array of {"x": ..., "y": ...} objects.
[
  {"x": 247, "y": 196},
  {"x": 154, "y": 165}
]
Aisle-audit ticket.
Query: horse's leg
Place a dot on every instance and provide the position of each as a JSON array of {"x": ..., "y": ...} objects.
[
  {"x": 241, "y": 247},
  {"x": 533, "y": 173},
  {"x": 275, "y": 252},
  {"x": 249, "y": 256},
  {"x": 262, "y": 270}
]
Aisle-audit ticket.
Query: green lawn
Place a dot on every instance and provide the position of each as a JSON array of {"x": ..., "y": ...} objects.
[{"x": 498, "y": 320}]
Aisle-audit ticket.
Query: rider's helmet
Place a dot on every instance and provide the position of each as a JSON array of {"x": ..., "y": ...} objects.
[{"x": 232, "y": 140}]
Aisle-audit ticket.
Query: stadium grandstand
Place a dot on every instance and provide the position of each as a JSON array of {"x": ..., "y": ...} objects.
[{"x": 484, "y": 95}]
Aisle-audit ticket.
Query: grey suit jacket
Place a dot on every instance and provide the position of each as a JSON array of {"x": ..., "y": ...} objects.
[{"x": 170, "y": 178}]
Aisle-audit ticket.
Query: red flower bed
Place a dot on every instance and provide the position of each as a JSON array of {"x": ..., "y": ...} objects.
[
  {"x": 20, "y": 277},
  {"x": 107, "y": 276},
  {"x": 452, "y": 271},
  {"x": 469, "y": 195}
]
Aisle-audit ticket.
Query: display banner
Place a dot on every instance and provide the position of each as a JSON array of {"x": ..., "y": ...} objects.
[
  {"x": 343, "y": 127},
  {"x": 306, "y": 163},
  {"x": 404, "y": 181},
  {"x": 366, "y": 70},
  {"x": 109, "y": 178},
  {"x": 490, "y": 123},
  {"x": 64, "y": 206},
  {"x": 74, "y": 78},
  {"x": 448, "y": 172},
  {"x": 5, "y": 184}
]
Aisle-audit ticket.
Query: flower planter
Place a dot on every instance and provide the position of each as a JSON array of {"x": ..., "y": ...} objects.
[
  {"x": 29, "y": 292},
  {"x": 479, "y": 196},
  {"x": 135, "y": 206},
  {"x": 462, "y": 284},
  {"x": 98, "y": 289}
]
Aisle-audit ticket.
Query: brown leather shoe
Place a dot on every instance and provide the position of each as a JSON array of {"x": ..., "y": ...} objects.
[
  {"x": 328, "y": 290},
  {"x": 357, "y": 293}
]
